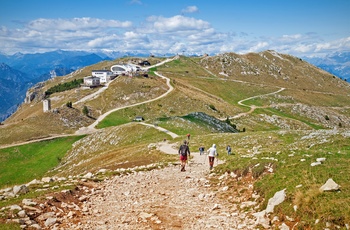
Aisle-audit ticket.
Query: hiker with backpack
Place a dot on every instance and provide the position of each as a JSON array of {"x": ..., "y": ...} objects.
[
  {"x": 184, "y": 151},
  {"x": 201, "y": 150},
  {"x": 212, "y": 153},
  {"x": 228, "y": 149}
]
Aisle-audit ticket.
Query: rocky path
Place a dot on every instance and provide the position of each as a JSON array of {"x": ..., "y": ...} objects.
[{"x": 162, "y": 199}]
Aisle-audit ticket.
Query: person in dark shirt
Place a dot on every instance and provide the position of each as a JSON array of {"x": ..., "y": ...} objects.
[{"x": 184, "y": 151}]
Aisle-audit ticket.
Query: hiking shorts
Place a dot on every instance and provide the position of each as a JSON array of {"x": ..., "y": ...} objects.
[{"x": 183, "y": 158}]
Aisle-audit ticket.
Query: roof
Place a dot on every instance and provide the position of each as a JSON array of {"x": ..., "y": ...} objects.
[
  {"x": 102, "y": 70},
  {"x": 91, "y": 77}
]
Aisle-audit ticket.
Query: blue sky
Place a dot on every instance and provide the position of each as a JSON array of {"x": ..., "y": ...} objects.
[{"x": 297, "y": 27}]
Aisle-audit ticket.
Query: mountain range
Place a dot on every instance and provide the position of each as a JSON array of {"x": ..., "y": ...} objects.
[
  {"x": 336, "y": 63},
  {"x": 19, "y": 72}
]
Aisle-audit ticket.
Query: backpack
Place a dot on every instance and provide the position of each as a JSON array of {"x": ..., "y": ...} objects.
[{"x": 183, "y": 150}]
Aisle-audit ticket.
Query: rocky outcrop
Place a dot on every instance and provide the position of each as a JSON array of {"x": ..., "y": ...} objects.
[
  {"x": 330, "y": 185},
  {"x": 34, "y": 93}
]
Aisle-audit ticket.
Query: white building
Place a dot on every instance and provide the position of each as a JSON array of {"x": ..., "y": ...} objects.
[
  {"x": 124, "y": 69},
  {"x": 104, "y": 75},
  {"x": 91, "y": 81}
]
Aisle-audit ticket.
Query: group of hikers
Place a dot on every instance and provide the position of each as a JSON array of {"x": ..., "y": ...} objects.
[{"x": 184, "y": 152}]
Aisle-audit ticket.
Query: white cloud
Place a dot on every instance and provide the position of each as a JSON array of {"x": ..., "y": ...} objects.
[
  {"x": 292, "y": 37},
  {"x": 156, "y": 35},
  {"x": 258, "y": 47},
  {"x": 102, "y": 41},
  {"x": 190, "y": 9},
  {"x": 43, "y": 24},
  {"x": 178, "y": 23}
]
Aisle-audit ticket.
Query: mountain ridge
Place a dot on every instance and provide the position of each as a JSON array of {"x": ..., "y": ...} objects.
[{"x": 335, "y": 63}]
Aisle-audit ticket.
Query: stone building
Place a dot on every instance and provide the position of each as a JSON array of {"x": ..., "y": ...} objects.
[{"x": 46, "y": 105}]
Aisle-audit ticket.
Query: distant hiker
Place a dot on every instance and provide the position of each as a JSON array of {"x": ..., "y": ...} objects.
[
  {"x": 201, "y": 150},
  {"x": 212, "y": 153},
  {"x": 228, "y": 149},
  {"x": 188, "y": 136},
  {"x": 184, "y": 150}
]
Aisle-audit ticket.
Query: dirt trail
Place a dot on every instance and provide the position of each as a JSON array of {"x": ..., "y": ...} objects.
[{"x": 163, "y": 199}]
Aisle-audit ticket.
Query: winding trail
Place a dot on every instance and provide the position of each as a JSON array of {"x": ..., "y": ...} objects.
[
  {"x": 173, "y": 135},
  {"x": 93, "y": 95},
  {"x": 253, "y": 107},
  {"x": 91, "y": 128}
]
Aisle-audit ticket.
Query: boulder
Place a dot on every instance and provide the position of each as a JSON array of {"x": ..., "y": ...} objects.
[
  {"x": 88, "y": 175},
  {"x": 32, "y": 209},
  {"x": 28, "y": 202},
  {"x": 35, "y": 226},
  {"x": 22, "y": 189},
  {"x": 225, "y": 188},
  {"x": 35, "y": 181},
  {"x": 22, "y": 214},
  {"x": 46, "y": 216},
  {"x": 15, "y": 207},
  {"x": 103, "y": 171},
  {"x": 316, "y": 163},
  {"x": 50, "y": 221},
  {"x": 275, "y": 200},
  {"x": 47, "y": 179},
  {"x": 321, "y": 159},
  {"x": 261, "y": 219},
  {"x": 330, "y": 185},
  {"x": 283, "y": 227}
]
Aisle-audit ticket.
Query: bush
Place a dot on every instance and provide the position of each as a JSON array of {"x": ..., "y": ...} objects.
[
  {"x": 63, "y": 87},
  {"x": 69, "y": 104},
  {"x": 85, "y": 110},
  {"x": 212, "y": 107}
]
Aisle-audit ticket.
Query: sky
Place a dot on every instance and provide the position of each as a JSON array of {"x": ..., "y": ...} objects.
[{"x": 297, "y": 27}]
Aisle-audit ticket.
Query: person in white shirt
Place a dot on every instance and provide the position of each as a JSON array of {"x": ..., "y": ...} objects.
[{"x": 212, "y": 153}]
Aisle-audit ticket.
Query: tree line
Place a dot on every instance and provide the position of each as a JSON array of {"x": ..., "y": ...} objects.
[{"x": 64, "y": 86}]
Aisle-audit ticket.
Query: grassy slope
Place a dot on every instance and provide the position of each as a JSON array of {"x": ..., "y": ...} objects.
[
  {"x": 117, "y": 147},
  {"x": 21, "y": 164}
]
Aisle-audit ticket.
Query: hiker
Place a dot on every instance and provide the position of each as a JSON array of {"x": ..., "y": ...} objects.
[
  {"x": 188, "y": 136},
  {"x": 212, "y": 153},
  {"x": 184, "y": 150},
  {"x": 201, "y": 150},
  {"x": 228, "y": 149}
]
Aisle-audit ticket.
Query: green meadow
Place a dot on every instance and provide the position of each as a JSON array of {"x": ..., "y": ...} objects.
[{"x": 21, "y": 164}]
